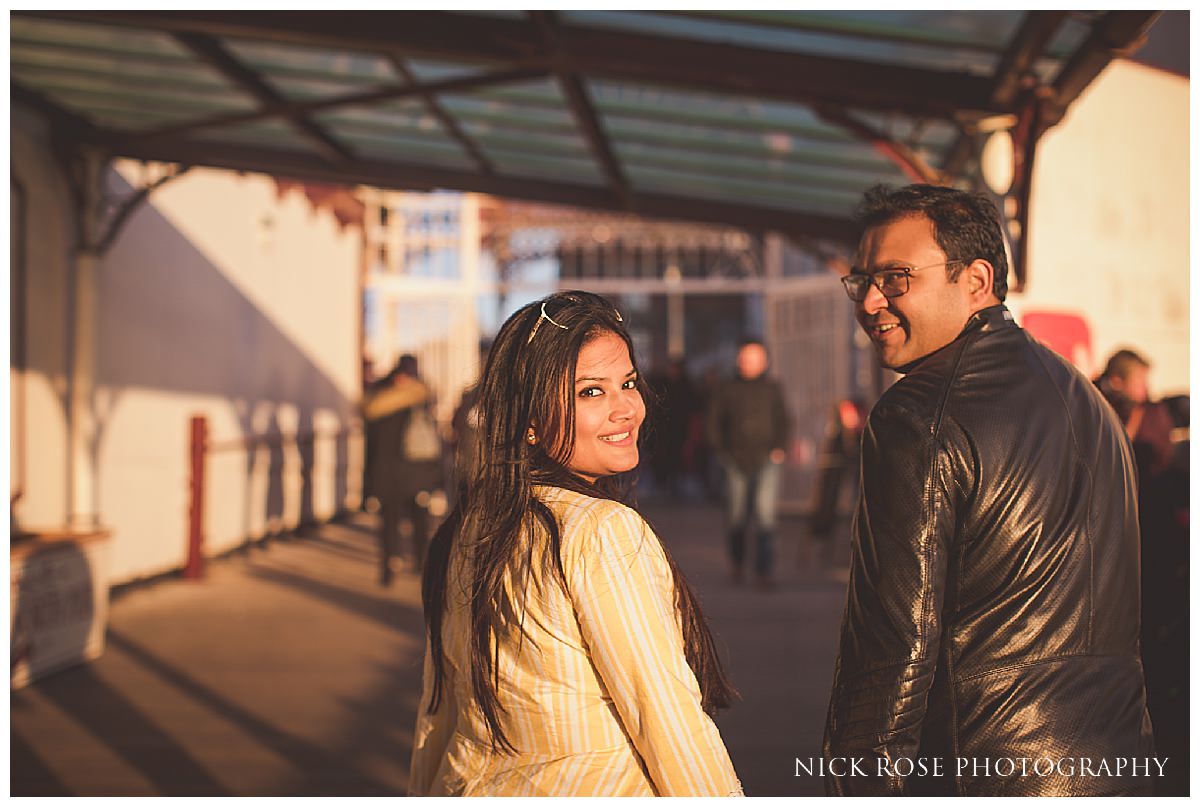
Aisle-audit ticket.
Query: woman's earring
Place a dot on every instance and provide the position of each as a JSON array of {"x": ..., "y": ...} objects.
[{"x": 531, "y": 437}]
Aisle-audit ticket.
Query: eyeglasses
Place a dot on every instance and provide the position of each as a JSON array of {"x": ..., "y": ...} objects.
[
  {"x": 891, "y": 282},
  {"x": 559, "y": 302}
]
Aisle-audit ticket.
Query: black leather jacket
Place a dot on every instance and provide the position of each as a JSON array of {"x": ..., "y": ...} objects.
[{"x": 992, "y": 611}]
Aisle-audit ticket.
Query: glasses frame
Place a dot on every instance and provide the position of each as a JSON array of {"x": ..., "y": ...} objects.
[{"x": 873, "y": 278}]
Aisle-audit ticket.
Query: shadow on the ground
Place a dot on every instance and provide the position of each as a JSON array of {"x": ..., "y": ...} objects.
[
  {"x": 325, "y": 773},
  {"x": 389, "y": 613},
  {"x": 30, "y": 775},
  {"x": 122, "y": 726}
]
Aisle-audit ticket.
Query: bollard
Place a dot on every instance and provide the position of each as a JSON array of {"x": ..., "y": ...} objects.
[{"x": 194, "y": 569}]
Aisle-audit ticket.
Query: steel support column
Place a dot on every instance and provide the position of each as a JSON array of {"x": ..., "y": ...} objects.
[{"x": 87, "y": 173}]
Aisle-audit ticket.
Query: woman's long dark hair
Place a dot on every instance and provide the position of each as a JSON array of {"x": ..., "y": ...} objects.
[{"x": 529, "y": 379}]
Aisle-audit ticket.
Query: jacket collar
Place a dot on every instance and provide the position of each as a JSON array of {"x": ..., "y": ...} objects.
[
  {"x": 992, "y": 318},
  {"x": 986, "y": 320}
]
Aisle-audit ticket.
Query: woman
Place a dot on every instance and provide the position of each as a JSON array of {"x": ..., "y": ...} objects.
[{"x": 566, "y": 654}]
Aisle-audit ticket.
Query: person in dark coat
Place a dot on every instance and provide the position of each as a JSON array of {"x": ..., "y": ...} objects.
[
  {"x": 406, "y": 462},
  {"x": 992, "y": 615},
  {"x": 1163, "y": 515},
  {"x": 837, "y": 463},
  {"x": 676, "y": 401},
  {"x": 747, "y": 428}
]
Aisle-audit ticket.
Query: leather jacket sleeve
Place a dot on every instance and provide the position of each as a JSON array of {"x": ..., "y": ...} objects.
[{"x": 891, "y": 628}]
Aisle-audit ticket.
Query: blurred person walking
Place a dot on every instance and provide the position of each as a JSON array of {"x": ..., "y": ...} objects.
[
  {"x": 747, "y": 427},
  {"x": 566, "y": 654},
  {"x": 464, "y": 429},
  {"x": 406, "y": 462},
  {"x": 838, "y": 464},
  {"x": 1125, "y": 384},
  {"x": 992, "y": 611},
  {"x": 676, "y": 404},
  {"x": 1164, "y": 518}
]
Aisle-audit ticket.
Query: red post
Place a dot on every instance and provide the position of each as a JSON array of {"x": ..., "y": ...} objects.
[{"x": 194, "y": 570}]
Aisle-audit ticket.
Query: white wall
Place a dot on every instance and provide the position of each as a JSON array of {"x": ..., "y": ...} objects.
[
  {"x": 38, "y": 393},
  {"x": 1109, "y": 237},
  {"x": 221, "y": 297},
  {"x": 224, "y": 299}
]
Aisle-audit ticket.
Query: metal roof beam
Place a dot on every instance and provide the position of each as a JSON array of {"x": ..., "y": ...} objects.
[
  {"x": 63, "y": 120},
  {"x": 623, "y": 56},
  {"x": 376, "y": 173},
  {"x": 1027, "y": 46},
  {"x": 369, "y": 98},
  {"x": 905, "y": 158},
  {"x": 448, "y": 122},
  {"x": 510, "y": 128},
  {"x": 582, "y": 109},
  {"x": 820, "y": 22},
  {"x": 212, "y": 52},
  {"x": 1115, "y": 34},
  {"x": 612, "y": 110}
]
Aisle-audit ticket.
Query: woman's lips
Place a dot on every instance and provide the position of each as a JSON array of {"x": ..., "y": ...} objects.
[{"x": 618, "y": 439}]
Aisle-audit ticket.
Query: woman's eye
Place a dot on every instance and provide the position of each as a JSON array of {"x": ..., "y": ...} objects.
[
  {"x": 630, "y": 384},
  {"x": 590, "y": 392}
]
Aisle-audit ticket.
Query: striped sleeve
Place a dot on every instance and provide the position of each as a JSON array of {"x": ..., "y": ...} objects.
[
  {"x": 623, "y": 595},
  {"x": 433, "y": 732}
]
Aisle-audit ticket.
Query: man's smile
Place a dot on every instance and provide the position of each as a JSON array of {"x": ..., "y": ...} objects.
[{"x": 879, "y": 330}]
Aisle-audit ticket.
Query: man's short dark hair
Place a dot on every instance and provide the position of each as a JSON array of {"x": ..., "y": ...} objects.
[
  {"x": 1122, "y": 363},
  {"x": 405, "y": 365},
  {"x": 966, "y": 225}
]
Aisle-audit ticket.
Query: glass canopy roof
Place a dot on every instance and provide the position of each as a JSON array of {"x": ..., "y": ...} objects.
[{"x": 760, "y": 119}]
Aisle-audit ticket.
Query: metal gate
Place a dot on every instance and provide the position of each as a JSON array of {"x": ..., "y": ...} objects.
[{"x": 810, "y": 335}]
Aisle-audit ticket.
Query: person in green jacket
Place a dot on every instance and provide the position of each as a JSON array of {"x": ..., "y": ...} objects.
[{"x": 748, "y": 430}]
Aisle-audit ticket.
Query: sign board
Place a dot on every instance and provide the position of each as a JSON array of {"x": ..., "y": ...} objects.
[{"x": 59, "y": 598}]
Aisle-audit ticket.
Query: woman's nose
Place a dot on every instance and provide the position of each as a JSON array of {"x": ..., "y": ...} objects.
[{"x": 626, "y": 405}]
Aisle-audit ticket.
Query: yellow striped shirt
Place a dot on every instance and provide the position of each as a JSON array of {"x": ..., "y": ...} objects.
[{"x": 601, "y": 702}]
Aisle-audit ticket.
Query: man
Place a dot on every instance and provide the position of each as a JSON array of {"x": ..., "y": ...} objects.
[
  {"x": 1125, "y": 383},
  {"x": 1163, "y": 486},
  {"x": 406, "y": 462},
  {"x": 676, "y": 402},
  {"x": 992, "y": 611},
  {"x": 837, "y": 461},
  {"x": 747, "y": 428}
]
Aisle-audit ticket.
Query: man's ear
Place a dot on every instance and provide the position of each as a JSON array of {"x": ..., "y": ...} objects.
[{"x": 978, "y": 276}]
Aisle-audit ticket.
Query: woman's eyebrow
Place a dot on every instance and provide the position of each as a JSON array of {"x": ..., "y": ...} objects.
[{"x": 597, "y": 378}]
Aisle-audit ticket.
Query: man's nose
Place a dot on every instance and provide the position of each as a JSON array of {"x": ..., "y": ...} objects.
[{"x": 874, "y": 302}]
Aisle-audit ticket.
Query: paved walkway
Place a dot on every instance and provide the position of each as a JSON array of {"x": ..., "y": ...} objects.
[{"x": 288, "y": 671}]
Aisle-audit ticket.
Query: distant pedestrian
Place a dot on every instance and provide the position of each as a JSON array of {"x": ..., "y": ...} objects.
[
  {"x": 370, "y": 384},
  {"x": 1125, "y": 383},
  {"x": 464, "y": 435},
  {"x": 748, "y": 430},
  {"x": 837, "y": 466},
  {"x": 1163, "y": 515},
  {"x": 566, "y": 654},
  {"x": 464, "y": 430},
  {"x": 406, "y": 462},
  {"x": 676, "y": 403}
]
